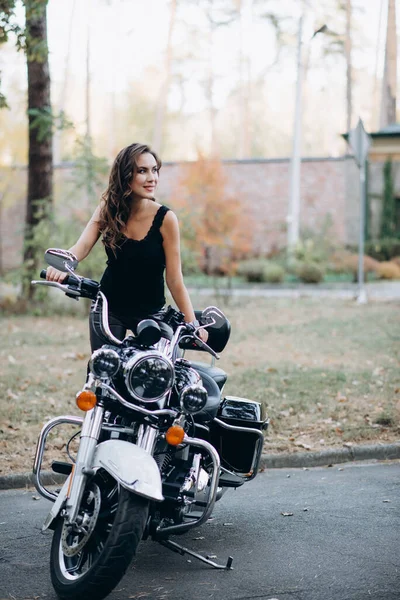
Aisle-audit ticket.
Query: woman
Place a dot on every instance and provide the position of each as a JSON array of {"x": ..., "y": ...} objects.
[{"x": 141, "y": 238}]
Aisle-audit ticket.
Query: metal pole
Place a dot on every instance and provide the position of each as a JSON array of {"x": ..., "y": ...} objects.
[
  {"x": 362, "y": 296},
  {"x": 294, "y": 197}
]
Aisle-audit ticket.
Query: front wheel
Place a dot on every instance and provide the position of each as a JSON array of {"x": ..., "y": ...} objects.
[{"x": 89, "y": 562}]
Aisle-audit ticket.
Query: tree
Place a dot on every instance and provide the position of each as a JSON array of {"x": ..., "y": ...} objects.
[
  {"x": 213, "y": 219},
  {"x": 40, "y": 169},
  {"x": 349, "y": 68},
  {"x": 388, "y": 219},
  {"x": 163, "y": 94},
  {"x": 8, "y": 26},
  {"x": 389, "y": 84}
]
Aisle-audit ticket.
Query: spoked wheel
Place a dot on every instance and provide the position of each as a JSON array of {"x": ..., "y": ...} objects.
[{"x": 89, "y": 560}]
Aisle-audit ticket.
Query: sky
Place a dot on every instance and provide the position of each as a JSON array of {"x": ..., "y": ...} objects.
[{"x": 127, "y": 39}]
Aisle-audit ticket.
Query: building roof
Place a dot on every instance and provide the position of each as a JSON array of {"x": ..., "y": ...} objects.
[{"x": 392, "y": 130}]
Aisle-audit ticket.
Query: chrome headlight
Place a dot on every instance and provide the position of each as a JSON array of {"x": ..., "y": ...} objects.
[
  {"x": 193, "y": 398},
  {"x": 104, "y": 363},
  {"x": 148, "y": 376}
]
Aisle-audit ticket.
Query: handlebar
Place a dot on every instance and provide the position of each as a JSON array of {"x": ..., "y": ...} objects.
[{"x": 75, "y": 286}]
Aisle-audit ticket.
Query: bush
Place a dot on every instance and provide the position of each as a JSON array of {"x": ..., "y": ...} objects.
[
  {"x": 388, "y": 270},
  {"x": 347, "y": 262},
  {"x": 309, "y": 272},
  {"x": 260, "y": 270},
  {"x": 273, "y": 273},
  {"x": 190, "y": 261},
  {"x": 396, "y": 260},
  {"x": 384, "y": 249}
]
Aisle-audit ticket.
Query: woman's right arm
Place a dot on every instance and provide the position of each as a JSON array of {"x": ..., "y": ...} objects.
[{"x": 81, "y": 249}]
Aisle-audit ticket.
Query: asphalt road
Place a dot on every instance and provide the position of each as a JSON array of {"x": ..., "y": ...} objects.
[{"x": 341, "y": 543}]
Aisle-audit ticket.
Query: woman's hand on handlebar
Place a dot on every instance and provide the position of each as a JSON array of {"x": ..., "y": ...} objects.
[
  {"x": 53, "y": 274},
  {"x": 203, "y": 334}
]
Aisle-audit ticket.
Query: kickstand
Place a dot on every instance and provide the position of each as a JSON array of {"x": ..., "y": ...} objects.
[{"x": 182, "y": 550}]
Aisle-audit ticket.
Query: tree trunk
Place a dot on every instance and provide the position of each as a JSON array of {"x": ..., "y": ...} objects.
[
  {"x": 210, "y": 83},
  {"x": 244, "y": 9},
  {"x": 40, "y": 169},
  {"x": 388, "y": 103},
  {"x": 63, "y": 94},
  {"x": 163, "y": 95},
  {"x": 348, "y": 48}
]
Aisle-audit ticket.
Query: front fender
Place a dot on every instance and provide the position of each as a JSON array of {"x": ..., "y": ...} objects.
[
  {"x": 134, "y": 468},
  {"x": 131, "y": 466}
]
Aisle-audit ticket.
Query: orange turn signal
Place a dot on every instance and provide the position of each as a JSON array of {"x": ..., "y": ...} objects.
[
  {"x": 175, "y": 435},
  {"x": 86, "y": 400}
]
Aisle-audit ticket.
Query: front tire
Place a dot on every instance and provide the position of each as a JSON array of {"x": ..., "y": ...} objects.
[{"x": 96, "y": 563}]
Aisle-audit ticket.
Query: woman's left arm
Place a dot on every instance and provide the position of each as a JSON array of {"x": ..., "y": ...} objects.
[{"x": 173, "y": 269}]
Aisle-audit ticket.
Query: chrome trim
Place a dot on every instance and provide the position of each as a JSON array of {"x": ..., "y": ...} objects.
[
  {"x": 212, "y": 495},
  {"x": 145, "y": 411},
  {"x": 192, "y": 478},
  {"x": 258, "y": 449},
  {"x": 174, "y": 347},
  {"x": 107, "y": 352},
  {"x": 60, "y": 286},
  {"x": 90, "y": 434},
  {"x": 40, "y": 451},
  {"x": 136, "y": 358},
  {"x": 104, "y": 321},
  {"x": 148, "y": 439}
]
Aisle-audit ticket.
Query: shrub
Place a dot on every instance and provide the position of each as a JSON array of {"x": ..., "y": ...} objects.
[
  {"x": 388, "y": 270},
  {"x": 260, "y": 270},
  {"x": 396, "y": 260},
  {"x": 384, "y": 249},
  {"x": 273, "y": 273},
  {"x": 310, "y": 272},
  {"x": 346, "y": 262}
]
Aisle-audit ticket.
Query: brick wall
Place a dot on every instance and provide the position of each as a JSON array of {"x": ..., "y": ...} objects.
[
  {"x": 263, "y": 187},
  {"x": 329, "y": 189}
]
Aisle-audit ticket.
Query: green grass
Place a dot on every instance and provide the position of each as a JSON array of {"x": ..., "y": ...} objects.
[{"x": 328, "y": 372}]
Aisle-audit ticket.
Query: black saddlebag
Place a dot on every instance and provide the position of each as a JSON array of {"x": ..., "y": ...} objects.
[{"x": 239, "y": 450}]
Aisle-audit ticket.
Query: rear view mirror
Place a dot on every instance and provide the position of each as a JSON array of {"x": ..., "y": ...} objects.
[
  {"x": 62, "y": 260},
  {"x": 213, "y": 315}
]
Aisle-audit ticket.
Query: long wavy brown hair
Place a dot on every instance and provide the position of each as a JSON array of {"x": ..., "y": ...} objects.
[{"x": 117, "y": 199}]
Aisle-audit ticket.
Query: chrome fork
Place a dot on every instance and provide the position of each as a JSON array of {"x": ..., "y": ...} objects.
[{"x": 90, "y": 434}]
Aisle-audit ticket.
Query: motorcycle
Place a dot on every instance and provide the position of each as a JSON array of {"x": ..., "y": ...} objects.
[{"x": 159, "y": 443}]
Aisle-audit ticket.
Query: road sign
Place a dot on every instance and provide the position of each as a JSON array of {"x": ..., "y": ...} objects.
[{"x": 360, "y": 142}]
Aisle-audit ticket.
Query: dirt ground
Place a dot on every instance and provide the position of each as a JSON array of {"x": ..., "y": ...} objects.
[{"x": 326, "y": 371}]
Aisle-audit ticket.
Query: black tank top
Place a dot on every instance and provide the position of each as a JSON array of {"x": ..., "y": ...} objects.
[{"x": 133, "y": 281}]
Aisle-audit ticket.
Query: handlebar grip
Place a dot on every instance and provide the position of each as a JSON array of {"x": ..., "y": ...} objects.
[{"x": 43, "y": 273}]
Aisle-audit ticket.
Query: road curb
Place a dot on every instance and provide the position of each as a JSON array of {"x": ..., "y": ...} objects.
[
  {"x": 295, "y": 460},
  {"x": 22, "y": 480},
  {"x": 330, "y": 456}
]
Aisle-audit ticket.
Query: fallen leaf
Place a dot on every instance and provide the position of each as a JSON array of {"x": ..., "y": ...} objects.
[
  {"x": 303, "y": 445},
  {"x": 341, "y": 397}
]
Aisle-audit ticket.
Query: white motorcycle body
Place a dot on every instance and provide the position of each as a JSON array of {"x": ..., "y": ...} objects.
[{"x": 132, "y": 467}]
